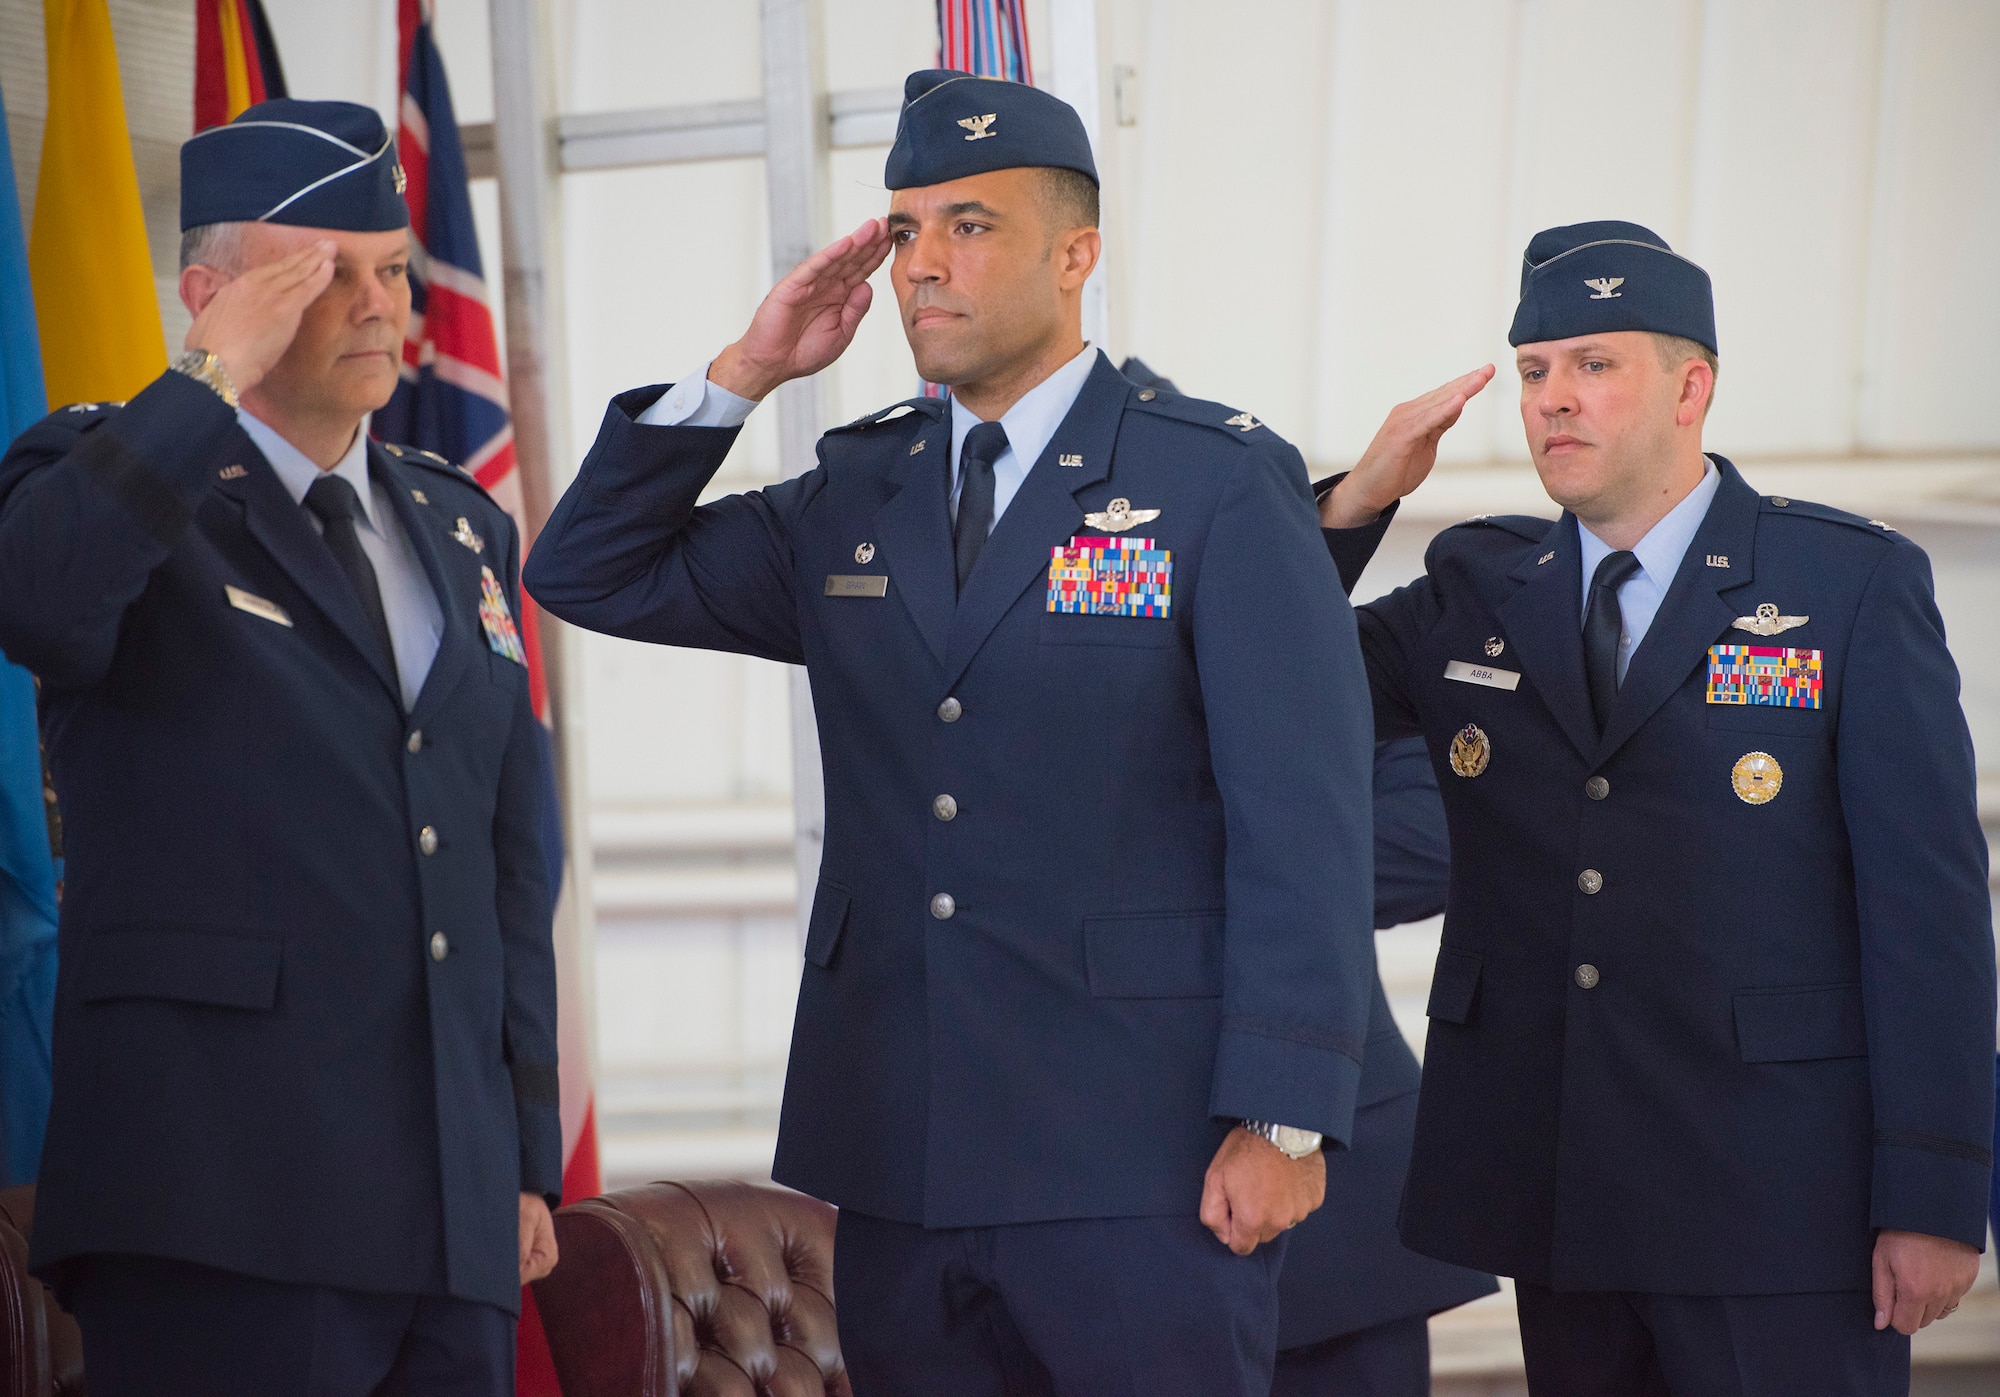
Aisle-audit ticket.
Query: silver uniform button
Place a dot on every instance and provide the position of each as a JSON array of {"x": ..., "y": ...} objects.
[
  {"x": 1587, "y": 977},
  {"x": 416, "y": 742},
  {"x": 950, "y": 709},
  {"x": 1146, "y": 395},
  {"x": 427, "y": 840},
  {"x": 944, "y": 807},
  {"x": 1590, "y": 880},
  {"x": 1597, "y": 788},
  {"x": 440, "y": 948},
  {"x": 942, "y": 906}
]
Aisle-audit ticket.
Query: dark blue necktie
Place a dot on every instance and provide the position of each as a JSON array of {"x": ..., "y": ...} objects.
[
  {"x": 983, "y": 445},
  {"x": 1603, "y": 629},
  {"x": 336, "y": 504}
]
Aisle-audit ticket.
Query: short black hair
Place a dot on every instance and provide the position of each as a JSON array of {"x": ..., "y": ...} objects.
[{"x": 1069, "y": 198}]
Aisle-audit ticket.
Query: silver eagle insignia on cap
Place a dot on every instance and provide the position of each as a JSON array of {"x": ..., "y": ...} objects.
[
  {"x": 977, "y": 126},
  {"x": 1767, "y": 621},
  {"x": 1118, "y": 516}
]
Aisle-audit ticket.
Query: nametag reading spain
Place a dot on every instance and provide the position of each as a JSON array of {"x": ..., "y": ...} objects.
[
  {"x": 1765, "y": 677},
  {"x": 497, "y": 620},
  {"x": 1482, "y": 674},
  {"x": 255, "y": 605},
  {"x": 1106, "y": 575},
  {"x": 857, "y": 584}
]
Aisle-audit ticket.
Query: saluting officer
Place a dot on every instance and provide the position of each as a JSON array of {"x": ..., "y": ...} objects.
[
  {"x": 1710, "y": 1066},
  {"x": 1087, "y": 973},
  {"x": 304, "y": 1134}
]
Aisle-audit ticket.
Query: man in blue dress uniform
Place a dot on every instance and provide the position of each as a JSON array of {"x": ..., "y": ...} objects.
[
  {"x": 1087, "y": 973},
  {"x": 1711, "y": 1050},
  {"x": 304, "y": 1135}
]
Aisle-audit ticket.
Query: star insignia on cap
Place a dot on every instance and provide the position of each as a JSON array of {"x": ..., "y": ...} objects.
[
  {"x": 978, "y": 125},
  {"x": 1767, "y": 621}
]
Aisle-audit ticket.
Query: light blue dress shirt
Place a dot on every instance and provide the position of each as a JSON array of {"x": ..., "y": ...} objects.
[
  {"x": 416, "y": 623},
  {"x": 695, "y": 402},
  {"x": 1659, "y": 554}
]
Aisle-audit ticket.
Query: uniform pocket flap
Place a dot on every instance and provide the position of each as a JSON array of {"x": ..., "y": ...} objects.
[
  {"x": 1454, "y": 984},
  {"x": 1799, "y": 1025},
  {"x": 195, "y": 967},
  {"x": 1154, "y": 955},
  {"x": 829, "y": 918}
]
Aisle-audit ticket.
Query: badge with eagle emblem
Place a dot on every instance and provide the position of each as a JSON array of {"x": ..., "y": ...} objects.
[{"x": 1470, "y": 751}]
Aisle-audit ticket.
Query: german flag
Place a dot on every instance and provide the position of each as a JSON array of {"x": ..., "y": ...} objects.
[{"x": 235, "y": 60}]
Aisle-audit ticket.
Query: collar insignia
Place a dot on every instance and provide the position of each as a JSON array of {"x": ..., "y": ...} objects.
[
  {"x": 1605, "y": 288},
  {"x": 1767, "y": 621},
  {"x": 1242, "y": 421},
  {"x": 463, "y": 534},
  {"x": 1118, "y": 516},
  {"x": 232, "y": 473},
  {"x": 977, "y": 126}
]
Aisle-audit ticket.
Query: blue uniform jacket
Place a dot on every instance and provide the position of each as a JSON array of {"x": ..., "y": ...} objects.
[
  {"x": 1160, "y": 915},
  {"x": 1788, "y": 1041},
  {"x": 260, "y": 1064},
  {"x": 1345, "y": 1268}
]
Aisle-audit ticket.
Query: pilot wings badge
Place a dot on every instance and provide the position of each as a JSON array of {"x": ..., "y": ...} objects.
[
  {"x": 1605, "y": 288},
  {"x": 1118, "y": 516},
  {"x": 1767, "y": 621},
  {"x": 977, "y": 126}
]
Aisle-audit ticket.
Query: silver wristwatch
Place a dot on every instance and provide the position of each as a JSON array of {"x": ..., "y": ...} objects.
[
  {"x": 206, "y": 369},
  {"x": 1292, "y": 1142}
]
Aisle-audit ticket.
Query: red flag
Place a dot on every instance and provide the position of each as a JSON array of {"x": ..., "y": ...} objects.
[{"x": 235, "y": 60}]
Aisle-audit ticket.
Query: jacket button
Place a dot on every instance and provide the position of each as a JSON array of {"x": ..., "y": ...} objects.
[
  {"x": 944, "y": 807},
  {"x": 1587, "y": 977},
  {"x": 950, "y": 709},
  {"x": 942, "y": 906},
  {"x": 1597, "y": 788},
  {"x": 1590, "y": 880},
  {"x": 440, "y": 948},
  {"x": 1146, "y": 395},
  {"x": 427, "y": 840},
  {"x": 416, "y": 742}
]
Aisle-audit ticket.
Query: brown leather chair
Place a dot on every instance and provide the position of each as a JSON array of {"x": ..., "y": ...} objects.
[
  {"x": 717, "y": 1288},
  {"x": 41, "y": 1353}
]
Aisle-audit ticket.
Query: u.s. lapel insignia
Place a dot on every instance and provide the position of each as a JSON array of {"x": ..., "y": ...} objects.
[
  {"x": 420, "y": 497},
  {"x": 1118, "y": 516},
  {"x": 231, "y": 473},
  {"x": 1546, "y": 557},
  {"x": 1756, "y": 778},
  {"x": 1074, "y": 462},
  {"x": 979, "y": 126},
  {"x": 1767, "y": 621},
  {"x": 1243, "y": 422},
  {"x": 497, "y": 620},
  {"x": 463, "y": 534},
  {"x": 921, "y": 444},
  {"x": 1470, "y": 751}
]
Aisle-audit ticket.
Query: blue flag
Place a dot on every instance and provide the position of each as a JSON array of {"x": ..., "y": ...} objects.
[{"x": 27, "y": 870}]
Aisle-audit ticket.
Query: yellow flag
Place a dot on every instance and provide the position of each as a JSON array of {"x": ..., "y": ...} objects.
[{"x": 94, "y": 295}]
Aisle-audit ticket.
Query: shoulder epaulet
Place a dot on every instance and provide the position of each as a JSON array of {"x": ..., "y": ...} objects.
[
  {"x": 430, "y": 460},
  {"x": 1807, "y": 509},
  {"x": 1527, "y": 526},
  {"x": 933, "y": 408},
  {"x": 1240, "y": 426}
]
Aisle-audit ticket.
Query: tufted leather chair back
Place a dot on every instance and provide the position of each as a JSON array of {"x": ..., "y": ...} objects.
[
  {"x": 41, "y": 1352},
  {"x": 716, "y": 1288}
]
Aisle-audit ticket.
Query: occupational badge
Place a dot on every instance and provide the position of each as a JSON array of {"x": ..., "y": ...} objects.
[
  {"x": 1118, "y": 516},
  {"x": 1470, "y": 751},
  {"x": 865, "y": 554},
  {"x": 1765, "y": 677},
  {"x": 1494, "y": 647},
  {"x": 1111, "y": 576},
  {"x": 496, "y": 620},
  {"x": 1767, "y": 621},
  {"x": 463, "y": 534},
  {"x": 1756, "y": 778}
]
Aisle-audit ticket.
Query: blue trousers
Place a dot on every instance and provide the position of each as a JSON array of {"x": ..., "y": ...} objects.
[
  {"x": 1105, "y": 1307},
  {"x": 153, "y": 1327},
  {"x": 1629, "y": 1344},
  {"x": 1386, "y": 1360}
]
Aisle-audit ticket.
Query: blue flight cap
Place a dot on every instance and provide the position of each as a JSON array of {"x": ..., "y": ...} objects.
[
  {"x": 1591, "y": 278},
  {"x": 313, "y": 164},
  {"x": 954, "y": 125}
]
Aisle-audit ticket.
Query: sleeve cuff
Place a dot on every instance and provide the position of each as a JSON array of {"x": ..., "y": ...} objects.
[
  {"x": 696, "y": 402},
  {"x": 1352, "y": 548},
  {"x": 1919, "y": 1189},
  {"x": 1304, "y": 1085}
]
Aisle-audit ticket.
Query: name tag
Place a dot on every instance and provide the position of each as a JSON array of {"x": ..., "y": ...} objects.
[
  {"x": 255, "y": 605},
  {"x": 872, "y": 584},
  {"x": 1482, "y": 674}
]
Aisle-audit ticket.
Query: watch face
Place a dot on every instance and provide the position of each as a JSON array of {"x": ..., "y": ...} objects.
[{"x": 1295, "y": 1142}]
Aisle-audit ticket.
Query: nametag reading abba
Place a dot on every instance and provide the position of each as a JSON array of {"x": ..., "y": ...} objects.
[
  {"x": 1482, "y": 674},
  {"x": 1105, "y": 575},
  {"x": 255, "y": 605},
  {"x": 497, "y": 621},
  {"x": 857, "y": 584},
  {"x": 1764, "y": 677}
]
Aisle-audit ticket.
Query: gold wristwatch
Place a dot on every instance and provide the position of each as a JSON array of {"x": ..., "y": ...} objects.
[{"x": 205, "y": 368}]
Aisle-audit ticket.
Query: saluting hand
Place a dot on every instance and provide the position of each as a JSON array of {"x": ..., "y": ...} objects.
[
  {"x": 808, "y": 319},
  {"x": 1254, "y": 1191},
  {"x": 1402, "y": 454},
  {"x": 249, "y": 321}
]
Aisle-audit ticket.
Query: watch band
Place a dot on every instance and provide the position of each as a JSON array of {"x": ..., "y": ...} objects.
[
  {"x": 206, "y": 369},
  {"x": 1290, "y": 1140}
]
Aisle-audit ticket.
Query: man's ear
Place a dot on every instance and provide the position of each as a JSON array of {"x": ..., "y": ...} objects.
[
  {"x": 1081, "y": 247},
  {"x": 198, "y": 286},
  {"x": 1697, "y": 388}
]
